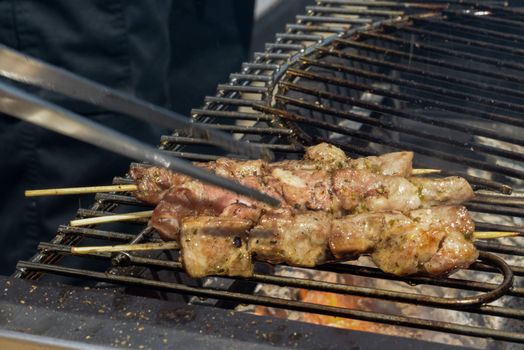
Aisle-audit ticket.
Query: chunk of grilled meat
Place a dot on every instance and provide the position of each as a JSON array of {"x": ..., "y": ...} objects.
[
  {"x": 331, "y": 158},
  {"x": 192, "y": 198},
  {"x": 449, "y": 190},
  {"x": 362, "y": 191},
  {"x": 153, "y": 182},
  {"x": 428, "y": 241},
  {"x": 215, "y": 246},
  {"x": 298, "y": 239}
]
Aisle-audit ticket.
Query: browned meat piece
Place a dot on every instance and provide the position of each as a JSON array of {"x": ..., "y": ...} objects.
[
  {"x": 305, "y": 189},
  {"x": 332, "y": 158},
  {"x": 192, "y": 198},
  {"x": 327, "y": 155},
  {"x": 449, "y": 190},
  {"x": 154, "y": 182},
  {"x": 238, "y": 169},
  {"x": 391, "y": 164},
  {"x": 215, "y": 246},
  {"x": 354, "y": 191},
  {"x": 455, "y": 252},
  {"x": 167, "y": 218},
  {"x": 430, "y": 241},
  {"x": 362, "y": 191},
  {"x": 454, "y": 217},
  {"x": 353, "y": 235},
  {"x": 242, "y": 211},
  {"x": 282, "y": 236}
]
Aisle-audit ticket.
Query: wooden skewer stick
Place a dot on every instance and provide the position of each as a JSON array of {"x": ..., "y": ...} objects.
[
  {"x": 425, "y": 171},
  {"x": 80, "y": 190},
  {"x": 494, "y": 234},
  {"x": 174, "y": 245},
  {"x": 125, "y": 248},
  {"x": 111, "y": 218}
]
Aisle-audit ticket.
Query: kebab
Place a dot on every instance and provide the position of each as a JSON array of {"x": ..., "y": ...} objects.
[
  {"x": 339, "y": 192},
  {"x": 316, "y": 192},
  {"x": 430, "y": 241},
  {"x": 152, "y": 183},
  {"x": 159, "y": 179}
]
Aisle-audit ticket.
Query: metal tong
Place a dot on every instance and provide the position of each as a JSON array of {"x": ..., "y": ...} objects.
[{"x": 28, "y": 107}]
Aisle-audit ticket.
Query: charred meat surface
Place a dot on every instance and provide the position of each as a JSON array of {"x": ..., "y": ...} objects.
[
  {"x": 215, "y": 246},
  {"x": 298, "y": 239},
  {"x": 154, "y": 182},
  {"x": 192, "y": 198}
]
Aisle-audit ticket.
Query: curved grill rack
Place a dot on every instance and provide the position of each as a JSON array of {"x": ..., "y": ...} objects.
[{"x": 365, "y": 76}]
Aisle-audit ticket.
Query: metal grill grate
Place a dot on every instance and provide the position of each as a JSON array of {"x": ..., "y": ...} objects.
[{"x": 443, "y": 79}]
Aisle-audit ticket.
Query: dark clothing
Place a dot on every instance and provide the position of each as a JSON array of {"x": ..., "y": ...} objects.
[{"x": 171, "y": 53}]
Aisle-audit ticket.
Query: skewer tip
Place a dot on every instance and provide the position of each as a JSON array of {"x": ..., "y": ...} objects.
[
  {"x": 425, "y": 171},
  {"x": 494, "y": 234}
]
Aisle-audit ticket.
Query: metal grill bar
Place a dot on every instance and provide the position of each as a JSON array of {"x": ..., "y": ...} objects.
[
  {"x": 427, "y": 5},
  {"x": 467, "y": 302},
  {"x": 353, "y": 10},
  {"x": 395, "y": 113},
  {"x": 456, "y": 52},
  {"x": 418, "y": 86},
  {"x": 503, "y": 23},
  {"x": 419, "y": 101},
  {"x": 280, "y": 303},
  {"x": 230, "y": 114},
  {"x": 411, "y": 57},
  {"x": 456, "y": 27},
  {"x": 364, "y": 136},
  {"x": 457, "y": 39},
  {"x": 422, "y": 72}
]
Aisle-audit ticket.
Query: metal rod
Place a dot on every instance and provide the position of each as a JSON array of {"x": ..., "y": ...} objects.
[
  {"x": 416, "y": 100},
  {"x": 460, "y": 302},
  {"x": 360, "y": 135},
  {"x": 281, "y": 303},
  {"x": 411, "y": 57},
  {"x": 27, "y": 70},
  {"x": 456, "y": 39},
  {"x": 415, "y": 85},
  {"x": 453, "y": 53},
  {"x": 465, "y": 82},
  {"x": 460, "y": 28},
  {"x": 473, "y": 146}
]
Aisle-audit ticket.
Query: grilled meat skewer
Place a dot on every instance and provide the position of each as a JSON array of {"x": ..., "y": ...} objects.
[
  {"x": 154, "y": 182},
  {"x": 341, "y": 193},
  {"x": 427, "y": 241}
]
